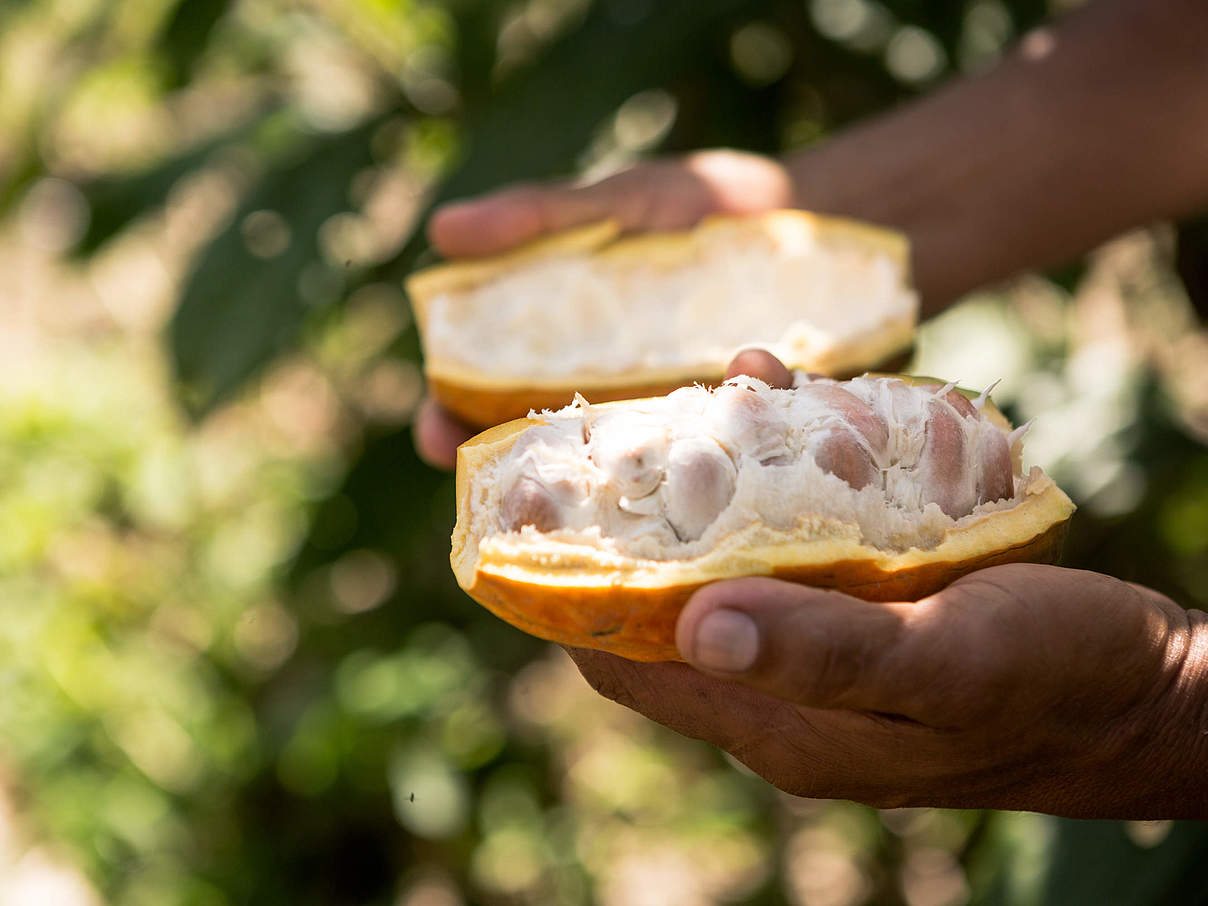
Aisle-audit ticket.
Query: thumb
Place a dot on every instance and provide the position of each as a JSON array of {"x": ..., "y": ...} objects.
[
  {"x": 493, "y": 223},
  {"x": 812, "y": 647},
  {"x": 666, "y": 194}
]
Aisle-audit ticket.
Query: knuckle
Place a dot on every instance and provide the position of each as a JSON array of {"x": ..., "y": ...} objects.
[
  {"x": 963, "y": 689},
  {"x": 833, "y": 676}
]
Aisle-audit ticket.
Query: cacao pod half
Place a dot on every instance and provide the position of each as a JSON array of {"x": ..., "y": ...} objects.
[
  {"x": 613, "y": 317},
  {"x": 593, "y": 525}
]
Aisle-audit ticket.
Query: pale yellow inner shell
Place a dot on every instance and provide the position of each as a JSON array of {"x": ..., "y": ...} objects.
[
  {"x": 733, "y": 288},
  {"x": 671, "y": 478}
]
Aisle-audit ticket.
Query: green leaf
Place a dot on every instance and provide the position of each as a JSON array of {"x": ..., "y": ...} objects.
[
  {"x": 238, "y": 311},
  {"x": 117, "y": 201},
  {"x": 539, "y": 122},
  {"x": 1191, "y": 261},
  {"x": 186, "y": 35},
  {"x": 1097, "y": 862}
]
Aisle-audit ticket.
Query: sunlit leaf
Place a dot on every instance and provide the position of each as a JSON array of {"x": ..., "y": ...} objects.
[
  {"x": 186, "y": 34},
  {"x": 249, "y": 292},
  {"x": 117, "y": 201}
]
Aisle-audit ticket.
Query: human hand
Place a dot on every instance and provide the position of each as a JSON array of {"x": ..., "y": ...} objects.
[
  {"x": 658, "y": 195},
  {"x": 1017, "y": 687},
  {"x": 1021, "y": 686}
]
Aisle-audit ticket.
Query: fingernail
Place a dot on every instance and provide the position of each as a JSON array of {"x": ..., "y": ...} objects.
[{"x": 725, "y": 640}]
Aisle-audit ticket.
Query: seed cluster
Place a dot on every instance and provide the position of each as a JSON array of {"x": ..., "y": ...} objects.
[{"x": 671, "y": 467}]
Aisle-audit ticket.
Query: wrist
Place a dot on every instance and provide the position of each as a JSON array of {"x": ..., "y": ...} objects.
[
  {"x": 1188, "y": 712},
  {"x": 1026, "y": 165},
  {"x": 885, "y": 172},
  {"x": 1167, "y": 741}
]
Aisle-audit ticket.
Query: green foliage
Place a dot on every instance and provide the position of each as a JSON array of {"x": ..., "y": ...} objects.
[
  {"x": 1099, "y": 862},
  {"x": 226, "y": 329},
  {"x": 186, "y": 35},
  {"x": 115, "y": 202}
]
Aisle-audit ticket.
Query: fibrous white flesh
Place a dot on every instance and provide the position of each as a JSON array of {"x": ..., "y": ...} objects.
[
  {"x": 638, "y": 314},
  {"x": 666, "y": 478}
]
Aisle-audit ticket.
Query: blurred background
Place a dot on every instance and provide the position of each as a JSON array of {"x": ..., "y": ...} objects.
[{"x": 234, "y": 665}]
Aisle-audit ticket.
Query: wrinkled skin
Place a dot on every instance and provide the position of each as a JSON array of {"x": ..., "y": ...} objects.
[{"x": 1018, "y": 687}]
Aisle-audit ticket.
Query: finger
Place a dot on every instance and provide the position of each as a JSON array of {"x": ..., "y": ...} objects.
[
  {"x": 676, "y": 696},
  {"x": 438, "y": 435},
  {"x": 805, "y": 645},
  {"x": 662, "y": 195},
  {"x": 759, "y": 363},
  {"x": 740, "y": 183},
  {"x": 804, "y": 751},
  {"x": 994, "y": 639},
  {"x": 496, "y": 222}
]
